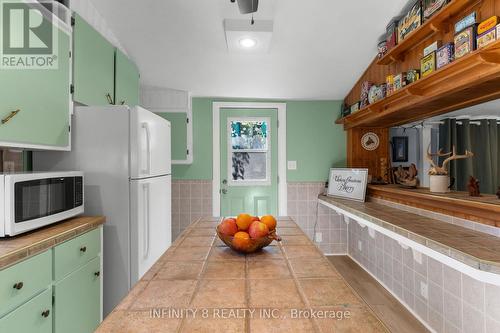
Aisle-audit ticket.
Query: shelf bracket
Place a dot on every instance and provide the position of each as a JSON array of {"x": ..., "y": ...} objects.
[{"x": 490, "y": 57}]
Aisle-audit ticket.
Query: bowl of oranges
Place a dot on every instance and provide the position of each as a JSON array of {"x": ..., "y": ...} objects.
[{"x": 248, "y": 234}]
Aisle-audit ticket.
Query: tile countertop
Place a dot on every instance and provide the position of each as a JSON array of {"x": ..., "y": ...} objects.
[
  {"x": 200, "y": 285},
  {"x": 18, "y": 248},
  {"x": 473, "y": 248}
]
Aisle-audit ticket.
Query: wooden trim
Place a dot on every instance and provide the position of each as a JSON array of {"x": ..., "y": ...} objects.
[{"x": 483, "y": 210}]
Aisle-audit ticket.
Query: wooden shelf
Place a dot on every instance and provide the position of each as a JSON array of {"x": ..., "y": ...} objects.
[
  {"x": 484, "y": 209},
  {"x": 468, "y": 81},
  {"x": 438, "y": 22}
]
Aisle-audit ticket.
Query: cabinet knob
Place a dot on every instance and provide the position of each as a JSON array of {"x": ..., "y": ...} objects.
[
  {"x": 97, "y": 274},
  {"x": 10, "y": 116},
  {"x": 45, "y": 313},
  {"x": 18, "y": 285},
  {"x": 122, "y": 102},
  {"x": 83, "y": 249}
]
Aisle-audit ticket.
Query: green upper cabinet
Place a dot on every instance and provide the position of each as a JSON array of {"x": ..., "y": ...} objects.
[
  {"x": 126, "y": 80},
  {"x": 35, "y": 101},
  {"x": 178, "y": 122},
  {"x": 93, "y": 65}
]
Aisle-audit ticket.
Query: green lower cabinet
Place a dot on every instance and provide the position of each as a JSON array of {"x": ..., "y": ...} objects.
[
  {"x": 93, "y": 66},
  {"x": 34, "y": 316},
  {"x": 126, "y": 80},
  {"x": 77, "y": 300},
  {"x": 35, "y": 102}
]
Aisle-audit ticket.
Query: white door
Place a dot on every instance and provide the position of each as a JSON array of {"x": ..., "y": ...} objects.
[
  {"x": 151, "y": 222},
  {"x": 150, "y": 148}
]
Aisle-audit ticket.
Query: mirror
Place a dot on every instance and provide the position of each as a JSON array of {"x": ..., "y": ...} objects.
[{"x": 447, "y": 142}]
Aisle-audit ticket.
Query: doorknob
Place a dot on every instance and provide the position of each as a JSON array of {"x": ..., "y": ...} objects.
[{"x": 224, "y": 191}]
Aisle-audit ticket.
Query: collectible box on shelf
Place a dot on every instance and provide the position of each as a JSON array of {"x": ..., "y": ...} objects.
[
  {"x": 399, "y": 81},
  {"x": 465, "y": 22},
  {"x": 487, "y": 37},
  {"x": 391, "y": 34},
  {"x": 432, "y": 47},
  {"x": 354, "y": 108},
  {"x": 410, "y": 22},
  {"x": 465, "y": 41},
  {"x": 428, "y": 64},
  {"x": 389, "y": 84},
  {"x": 431, "y": 7},
  {"x": 365, "y": 89},
  {"x": 445, "y": 55},
  {"x": 413, "y": 75},
  {"x": 382, "y": 48},
  {"x": 487, "y": 25},
  {"x": 377, "y": 93},
  {"x": 346, "y": 110}
]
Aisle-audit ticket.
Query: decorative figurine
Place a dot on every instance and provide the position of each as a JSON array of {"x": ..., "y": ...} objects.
[
  {"x": 407, "y": 178},
  {"x": 473, "y": 187},
  {"x": 440, "y": 181}
]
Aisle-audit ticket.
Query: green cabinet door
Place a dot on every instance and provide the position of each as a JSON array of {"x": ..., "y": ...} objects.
[
  {"x": 77, "y": 300},
  {"x": 126, "y": 80},
  {"x": 178, "y": 122},
  {"x": 42, "y": 97},
  {"x": 34, "y": 316},
  {"x": 93, "y": 65}
]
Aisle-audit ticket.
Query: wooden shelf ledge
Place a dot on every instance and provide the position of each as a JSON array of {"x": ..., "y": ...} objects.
[
  {"x": 438, "y": 22},
  {"x": 470, "y": 80},
  {"x": 484, "y": 209}
]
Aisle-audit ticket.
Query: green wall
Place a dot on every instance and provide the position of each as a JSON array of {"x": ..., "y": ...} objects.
[{"x": 313, "y": 140}]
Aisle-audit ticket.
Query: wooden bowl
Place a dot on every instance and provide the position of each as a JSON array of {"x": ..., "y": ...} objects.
[{"x": 255, "y": 244}]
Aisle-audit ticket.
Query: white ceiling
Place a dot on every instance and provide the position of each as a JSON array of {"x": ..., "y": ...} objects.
[{"x": 318, "y": 50}]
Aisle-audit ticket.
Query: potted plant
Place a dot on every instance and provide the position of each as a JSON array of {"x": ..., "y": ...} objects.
[{"x": 439, "y": 175}]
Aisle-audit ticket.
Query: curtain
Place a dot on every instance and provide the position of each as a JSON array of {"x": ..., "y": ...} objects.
[{"x": 483, "y": 141}]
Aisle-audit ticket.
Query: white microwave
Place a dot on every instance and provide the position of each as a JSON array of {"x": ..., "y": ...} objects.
[{"x": 32, "y": 200}]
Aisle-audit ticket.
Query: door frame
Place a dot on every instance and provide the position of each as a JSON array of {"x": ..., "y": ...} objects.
[{"x": 281, "y": 110}]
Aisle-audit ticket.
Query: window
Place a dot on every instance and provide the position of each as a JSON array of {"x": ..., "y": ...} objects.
[{"x": 249, "y": 154}]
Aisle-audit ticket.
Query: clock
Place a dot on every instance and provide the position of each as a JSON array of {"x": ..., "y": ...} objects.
[{"x": 370, "y": 141}]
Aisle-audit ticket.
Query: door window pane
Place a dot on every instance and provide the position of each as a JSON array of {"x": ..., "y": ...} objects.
[
  {"x": 249, "y": 134},
  {"x": 249, "y": 166}
]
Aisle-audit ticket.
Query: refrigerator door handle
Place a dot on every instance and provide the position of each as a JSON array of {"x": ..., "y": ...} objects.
[
  {"x": 145, "y": 126},
  {"x": 146, "y": 194}
]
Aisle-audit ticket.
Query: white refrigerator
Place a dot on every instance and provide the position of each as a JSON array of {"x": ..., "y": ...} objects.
[{"x": 125, "y": 155}]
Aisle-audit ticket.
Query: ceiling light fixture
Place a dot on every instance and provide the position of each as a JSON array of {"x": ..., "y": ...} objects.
[{"x": 248, "y": 42}]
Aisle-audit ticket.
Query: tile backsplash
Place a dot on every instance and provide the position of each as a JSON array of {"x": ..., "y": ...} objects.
[
  {"x": 444, "y": 298},
  {"x": 302, "y": 203},
  {"x": 191, "y": 199}
]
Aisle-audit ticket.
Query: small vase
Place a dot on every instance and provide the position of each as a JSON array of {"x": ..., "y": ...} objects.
[{"x": 440, "y": 183}]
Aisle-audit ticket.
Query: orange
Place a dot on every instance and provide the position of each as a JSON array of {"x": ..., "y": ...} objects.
[
  {"x": 243, "y": 221},
  {"x": 241, "y": 240},
  {"x": 270, "y": 221}
]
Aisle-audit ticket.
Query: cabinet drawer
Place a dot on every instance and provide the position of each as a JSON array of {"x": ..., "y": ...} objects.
[
  {"x": 34, "y": 316},
  {"x": 76, "y": 252},
  {"x": 21, "y": 282}
]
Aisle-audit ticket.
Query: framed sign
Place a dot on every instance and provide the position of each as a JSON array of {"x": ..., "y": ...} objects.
[
  {"x": 400, "y": 149},
  {"x": 348, "y": 183}
]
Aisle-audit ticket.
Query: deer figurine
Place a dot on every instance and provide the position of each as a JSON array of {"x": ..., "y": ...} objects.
[{"x": 439, "y": 178}]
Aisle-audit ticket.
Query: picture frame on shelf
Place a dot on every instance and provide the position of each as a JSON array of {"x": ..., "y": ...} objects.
[
  {"x": 348, "y": 183},
  {"x": 400, "y": 149}
]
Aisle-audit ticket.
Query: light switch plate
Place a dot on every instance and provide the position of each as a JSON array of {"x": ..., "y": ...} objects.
[{"x": 292, "y": 165}]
